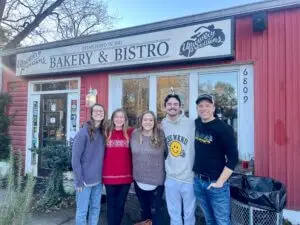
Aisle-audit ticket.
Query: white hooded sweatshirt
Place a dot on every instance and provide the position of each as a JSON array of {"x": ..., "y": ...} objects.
[{"x": 180, "y": 135}]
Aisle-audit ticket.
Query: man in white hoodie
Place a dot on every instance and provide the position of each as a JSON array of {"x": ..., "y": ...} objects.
[{"x": 179, "y": 131}]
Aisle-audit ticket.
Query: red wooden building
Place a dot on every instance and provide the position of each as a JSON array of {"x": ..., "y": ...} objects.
[{"x": 249, "y": 54}]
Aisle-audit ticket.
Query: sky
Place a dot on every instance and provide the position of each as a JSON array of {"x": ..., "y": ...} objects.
[{"x": 138, "y": 12}]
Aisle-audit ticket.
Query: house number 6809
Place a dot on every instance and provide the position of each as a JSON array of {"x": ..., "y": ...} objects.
[{"x": 245, "y": 85}]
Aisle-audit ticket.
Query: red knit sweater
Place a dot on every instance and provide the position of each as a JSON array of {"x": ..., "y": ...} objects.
[{"x": 117, "y": 164}]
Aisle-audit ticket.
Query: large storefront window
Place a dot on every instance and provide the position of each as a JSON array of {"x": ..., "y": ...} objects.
[
  {"x": 135, "y": 99},
  {"x": 223, "y": 86},
  {"x": 168, "y": 84},
  {"x": 231, "y": 86}
]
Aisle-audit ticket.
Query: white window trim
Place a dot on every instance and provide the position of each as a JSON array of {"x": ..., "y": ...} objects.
[
  {"x": 245, "y": 112},
  {"x": 32, "y": 83},
  {"x": 28, "y": 167}
]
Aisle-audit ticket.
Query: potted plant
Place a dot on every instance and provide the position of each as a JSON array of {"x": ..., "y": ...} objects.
[{"x": 68, "y": 182}]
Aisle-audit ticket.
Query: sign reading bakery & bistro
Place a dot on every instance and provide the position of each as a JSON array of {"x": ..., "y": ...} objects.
[{"x": 195, "y": 42}]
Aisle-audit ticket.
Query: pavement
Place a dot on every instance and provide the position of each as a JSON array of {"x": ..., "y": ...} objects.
[{"x": 66, "y": 216}]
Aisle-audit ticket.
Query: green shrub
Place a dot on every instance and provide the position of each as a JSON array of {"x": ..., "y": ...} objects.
[
  {"x": 5, "y": 121},
  {"x": 19, "y": 193},
  {"x": 59, "y": 160}
]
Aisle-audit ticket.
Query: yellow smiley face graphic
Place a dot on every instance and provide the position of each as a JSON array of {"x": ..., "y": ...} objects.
[{"x": 175, "y": 148}]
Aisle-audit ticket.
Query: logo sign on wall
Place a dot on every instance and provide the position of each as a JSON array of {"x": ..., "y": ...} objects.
[
  {"x": 195, "y": 42},
  {"x": 203, "y": 37}
]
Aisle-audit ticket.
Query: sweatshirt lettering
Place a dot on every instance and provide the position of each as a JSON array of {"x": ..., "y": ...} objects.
[{"x": 177, "y": 137}]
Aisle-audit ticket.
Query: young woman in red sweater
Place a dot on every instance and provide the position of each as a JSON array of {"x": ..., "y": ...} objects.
[{"x": 117, "y": 165}]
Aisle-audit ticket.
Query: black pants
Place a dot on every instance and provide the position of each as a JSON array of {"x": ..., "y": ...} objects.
[
  {"x": 116, "y": 198},
  {"x": 151, "y": 203}
]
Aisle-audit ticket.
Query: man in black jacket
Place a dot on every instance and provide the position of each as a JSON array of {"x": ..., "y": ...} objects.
[{"x": 216, "y": 155}]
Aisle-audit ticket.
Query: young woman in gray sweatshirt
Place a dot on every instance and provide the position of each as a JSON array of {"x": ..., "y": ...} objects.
[
  {"x": 148, "y": 146},
  {"x": 87, "y": 160}
]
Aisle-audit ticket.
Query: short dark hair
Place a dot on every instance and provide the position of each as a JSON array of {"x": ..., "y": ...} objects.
[{"x": 172, "y": 96}]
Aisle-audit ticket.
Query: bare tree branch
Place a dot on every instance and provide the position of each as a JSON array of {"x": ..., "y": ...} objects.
[
  {"x": 18, "y": 20},
  {"x": 41, "y": 35},
  {"x": 42, "y": 8},
  {"x": 87, "y": 29},
  {"x": 50, "y": 20},
  {"x": 10, "y": 26},
  {"x": 2, "y": 7},
  {"x": 26, "y": 6},
  {"x": 10, "y": 7},
  {"x": 35, "y": 23}
]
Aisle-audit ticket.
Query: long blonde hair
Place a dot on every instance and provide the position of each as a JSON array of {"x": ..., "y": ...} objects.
[
  {"x": 110, "y": 126},
  {"x": 156, "y": 138}
]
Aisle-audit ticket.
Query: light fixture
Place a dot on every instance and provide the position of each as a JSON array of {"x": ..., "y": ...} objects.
[
  {"x": 171, "y": 90},
  {"x": 91, "y": 97}
]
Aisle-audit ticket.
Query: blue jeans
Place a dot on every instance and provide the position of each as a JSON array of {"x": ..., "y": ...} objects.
[
  {"x": 215, "y": 202},
  {"x": 88, "y": 199},
  {"x": 151, "y": 203},
  {"x": 180, "y": 196}
]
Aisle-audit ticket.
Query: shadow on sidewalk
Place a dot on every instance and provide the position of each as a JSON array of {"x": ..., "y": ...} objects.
[{"x": 132, "y": 213}]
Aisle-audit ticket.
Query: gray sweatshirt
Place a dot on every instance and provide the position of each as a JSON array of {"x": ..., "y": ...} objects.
[
  {"x": 180, "y": 136},
  {"x": 87, "y": 157}
]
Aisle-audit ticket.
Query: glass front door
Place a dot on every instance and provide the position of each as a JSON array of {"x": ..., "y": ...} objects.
[
  {"x": 53, "y": 119},
  {"x": 53, "y": 125}
]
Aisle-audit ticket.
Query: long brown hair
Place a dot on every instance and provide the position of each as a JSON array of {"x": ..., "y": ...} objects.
[
  {"x": 91, "y": 123},
  {"x": 110, "y": 126},
  {"x": 156, "y": 138}
]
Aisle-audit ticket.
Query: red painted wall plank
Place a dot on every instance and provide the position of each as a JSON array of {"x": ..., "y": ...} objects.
[
  {"x": 97, "y": 81},
  {"x": 292, "y": 106},
  {"x": 277, "y": 62},
  {"x": 18, "y": 89},
  {"x": 260, "y": 55}
]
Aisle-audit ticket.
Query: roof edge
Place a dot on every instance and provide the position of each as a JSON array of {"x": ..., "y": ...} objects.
[{"x": 238, "y": 11}]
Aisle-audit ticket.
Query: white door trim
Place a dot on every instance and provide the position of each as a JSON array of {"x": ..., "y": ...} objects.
[{"x": 35, "y": 96}]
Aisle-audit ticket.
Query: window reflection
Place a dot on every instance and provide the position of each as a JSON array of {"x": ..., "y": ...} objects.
[
  {"x": 135, "y": 98},
  {"x": 180, "y": 85},
  {"x": 223, "y": 86},
  {"x": 56, "y": 86}
]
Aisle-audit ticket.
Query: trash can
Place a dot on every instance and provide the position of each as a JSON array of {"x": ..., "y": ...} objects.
[{"x": 256, "y": 200}]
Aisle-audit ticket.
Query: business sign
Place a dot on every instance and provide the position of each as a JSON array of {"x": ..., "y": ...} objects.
[{"x": 196, "y": 42}]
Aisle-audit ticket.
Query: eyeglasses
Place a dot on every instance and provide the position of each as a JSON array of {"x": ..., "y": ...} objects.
[{"x": 98, "y": 111}]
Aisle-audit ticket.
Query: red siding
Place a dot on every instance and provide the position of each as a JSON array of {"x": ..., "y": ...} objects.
[
  {"x": 292, "y": 107},
  {"x": 275, "y": 54},
  {"x": 97, "y": 81},
  {"x": 18, "y": 90}
]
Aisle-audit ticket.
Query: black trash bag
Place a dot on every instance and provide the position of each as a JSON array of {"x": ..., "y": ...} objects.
[{"x": 261, "y": 192}]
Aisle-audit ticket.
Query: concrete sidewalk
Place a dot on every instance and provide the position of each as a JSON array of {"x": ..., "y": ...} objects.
[{"x": 66, "y": 216}]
